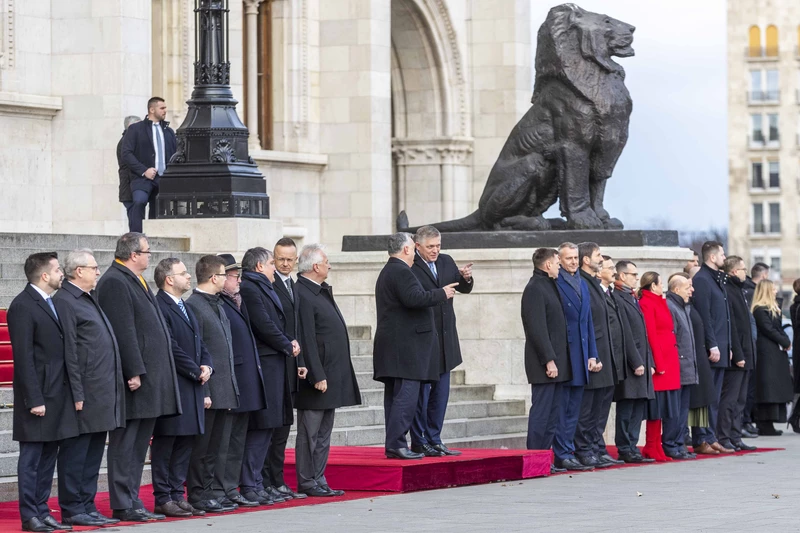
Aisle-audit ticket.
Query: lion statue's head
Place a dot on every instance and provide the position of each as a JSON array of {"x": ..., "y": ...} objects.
[{"x": 577, "y": 46}]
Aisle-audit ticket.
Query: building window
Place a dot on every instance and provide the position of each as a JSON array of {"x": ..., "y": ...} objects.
[
  {"x": 264, "y": 52},
  {"x": 758, "y": 218},
  {"x": 775, "y": 266},
  {"x": 774, "y": 175},
  {"x": 772, "y": 119},
  {"x": 754, "y": 41},
  {"x": 774, "y": 218},
  {"x": 758, "y": 175},
  {"x": 758, "y": 259},
  {"x": 773, "y": 86},
  {"x": 757, "y": 129},
  {"x": 764, "y": 86},
  {"x": 772, "y": 41}
]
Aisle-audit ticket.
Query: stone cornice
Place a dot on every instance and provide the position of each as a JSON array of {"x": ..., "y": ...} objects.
[
  {"x": 438, "y": 151},
  {"x": 315, "y": 162},
  {"x": 29, "y": 105}
]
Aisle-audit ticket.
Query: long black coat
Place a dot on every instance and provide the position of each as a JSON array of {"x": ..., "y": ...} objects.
[
  {"x": 711, "y": 301},
  {"x": 246, "y": 363},
  {"x": 602, "y": 335},
  {"x": 145, "y": 347},
  {"x": 794, "y": 313},
  {"x": 291, "y": 306},
  {"x": 92, "y": 355},
  {"x": 685, "y": 337},
  {"x": 269, "y": 322},
  {"x": 635, "y": 387},
  {"x": 621, "y": 338},
  {"x": 545, "y": 330},
  {"x": 189, "y": 353},
  {"x": 773, "y": 378},
  {"x": 406, "y": 345},
  {"x": 40, "y": 372},
  {"x": 125, "y": 194},
  {"x": 139, "y": 153},
  {"x": 703, "y": 393},
  {"x": 443, "y": 314},
  {"x": 743, "y": 344},
  {"x": 327, "y": 349}
]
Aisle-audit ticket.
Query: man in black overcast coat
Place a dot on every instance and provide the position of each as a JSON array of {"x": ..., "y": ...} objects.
[
  {"x": 435, "y": 270},
  {"x": 406, "y": 347}
]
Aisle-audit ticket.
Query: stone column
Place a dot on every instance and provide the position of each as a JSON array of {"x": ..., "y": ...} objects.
[{"x": 251, "y": 10}]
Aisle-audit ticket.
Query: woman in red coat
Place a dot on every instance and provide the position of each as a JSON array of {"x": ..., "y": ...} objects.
[{"x": 667, "y": 371}]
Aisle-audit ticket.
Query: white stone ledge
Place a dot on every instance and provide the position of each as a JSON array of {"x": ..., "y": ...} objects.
[
  {"x": 316, "y": 162},
  {"x": 29, "y": 104}
]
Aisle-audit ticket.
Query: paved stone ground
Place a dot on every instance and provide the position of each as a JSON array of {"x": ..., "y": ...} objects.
[{"x": 756, "y": 492}]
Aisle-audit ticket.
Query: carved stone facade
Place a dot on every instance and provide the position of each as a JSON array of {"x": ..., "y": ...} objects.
[{"x": 377, "y": 106}]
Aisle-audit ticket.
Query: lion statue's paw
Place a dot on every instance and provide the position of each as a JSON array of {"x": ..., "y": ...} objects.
[{"x": 584, "y": 220}]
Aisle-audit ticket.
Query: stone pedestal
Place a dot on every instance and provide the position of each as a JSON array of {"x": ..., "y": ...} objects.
[{"x": 219, "y": 235}]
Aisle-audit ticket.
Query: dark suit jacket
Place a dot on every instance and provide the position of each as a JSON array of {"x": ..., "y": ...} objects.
[
  {"x": 189, "y": 353},
  {"x": 635, "y": 387},
  {"x": 602, "y": 335},
  {"x": 246, "y": 363},
  {"x": 443, "y": 314},
  {"x": 125, "y": 194},
  {"x": 711, "y": 301},
  {"x": 580, "y": 328},
  {"x": 545, "y": 330},
  {"x": 268, "y": 321},
  {"x": 92, "y": 355},
  {"x": 40, "y": 373},
  {"x": 145, "y": 346},
  {"x": 406, "y": 345},
  {"x": 139, "y": 154},
  {"x": 327, "y": 349},
  {"x": 621, "y": 339},
  {"x": 291, "y": 306},
  {"x": 743, "y": 344}
]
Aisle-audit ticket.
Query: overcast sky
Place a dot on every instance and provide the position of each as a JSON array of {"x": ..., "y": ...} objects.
[{"x": 674, "y": 169}]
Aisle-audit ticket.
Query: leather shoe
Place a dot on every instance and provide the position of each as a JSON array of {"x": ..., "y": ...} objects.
[
  {"x": 556, "y": 470},
  {"x": 226, "y": 503},
  {"x": 130, "y": 515},
  {"x": 427, "y": 450},
  {"x": 768, "y": 430},
  {"x": 605, "y": 458},
  {"x": 573, "y": 465},
  {"x": 593, "y": 461},
  {"x": 401, "y": 453},
  {"x": 186, "y": 506},
  {"x": 255, "y": 497},
  {"x": 241, "y": 501},
  {"x": 746, "y": 433},
  {"x": 172, "y": 509},
  {"x": 83, "y": 519},
  {"x": 318, "y": 492},
  {"x": 277, "y": 497},
  {"x": 746, "y": 447},
  {"x": 108, "y": 521},
  {"x": 721, "y": 449},
  {"x": 266, "y": 497},
  {"x": 152, "y": 516},
  {"x": 211, "y": 506},
  {"x": 445, "y": 450},
  {"x": 36, "y": 524},
  {"x": 705, "y": 449},
  {"x": 336, "y": 492},
  {"x": 286, "y": 491},
  {"x": 677, "y": 455},
  {"x": 54, "y": 524},
  {"x": 751, "y": 428}
]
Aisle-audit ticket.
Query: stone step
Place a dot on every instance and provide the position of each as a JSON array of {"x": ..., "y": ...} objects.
[
  {"x": 511, "y": 441},
  {"x": 46, "y": 241},
  {"x": 458, "y": 393}
]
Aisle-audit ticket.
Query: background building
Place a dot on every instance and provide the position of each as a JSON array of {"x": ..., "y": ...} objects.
[{"x": 764, "y": 133}]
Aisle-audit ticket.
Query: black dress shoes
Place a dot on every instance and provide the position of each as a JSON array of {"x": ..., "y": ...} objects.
[
  {"x": 211, "y": 506},
  {"x": 173, "y": 510},
  {"x": 255, "y": 497},
  {"x": 131, "y": 515},
  {"x": 335, "y": 492},
  {"x": 83, "y": 519},
  {"x": 186, "y": 506},
  {"x": 635, "y": 459},
  {"x": 286, "y": 491},
  {"x": 573, "y": 465},
  {"x": 152, "y": 516},
  {"x": 427, "y": 450},
  {"x": 767, "y": 429},
  {"x": 608, "y": 459},
  {"x": 318, "y": 492},
  {"x": 226, "y": 503},
  {"x": 593, "y": 461},
  {"x": 676, "y": 455},
  {"x": 108, "y": 521},
  {"x": 241, "y": 501},
  {"x": 277, "y": 497},
  {"x": 556, "y": 470},
  {"x": 36, "y": 524},
  {"x": 445, "y": 450},
  {"x": 54, "y": 524},
  {"x": 749, "y": 434},
  {"x": 742, "y": 446},
  {"x": 403, "y": 453}
]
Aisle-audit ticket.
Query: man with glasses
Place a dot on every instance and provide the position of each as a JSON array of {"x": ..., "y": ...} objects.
[
  {"x": 173, "y": 437},
  {"x": 95, "y": 376},
  {"x": 147, "y": 368}
]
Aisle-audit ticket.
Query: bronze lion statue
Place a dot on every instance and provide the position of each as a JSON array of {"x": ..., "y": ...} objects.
[{"x": 567, "y": 144}]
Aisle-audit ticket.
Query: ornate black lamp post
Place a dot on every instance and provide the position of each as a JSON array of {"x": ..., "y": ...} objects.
[{"x": 212, "y": 173}]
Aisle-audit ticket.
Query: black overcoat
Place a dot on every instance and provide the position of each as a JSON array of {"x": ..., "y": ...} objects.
[
  {"x": 602, "y": 335},
  {"x": 291, "y": 306},
  {"x": 40, "y": 372},
  {"x": 621, "y": 339},
  {"x": 794, "y": 313},
  {"x": 246, "y": 363},
  {"x": 327, "y": 349},
  {"x": 189, "y": 353},
  {"x": 711, "y": 301},
  {"x": 92, "y": 356},
  {"x": 545, "y": 330},
  {"x": 145, "y": 347},
  {"x": 635, "y": 387},
  {"x": 773, "y": 377},
  {"x": 743, "y": 344},
  {"x": 268, "y": 322},
  {"x": 443, "y": 314},
  {"x": 703, "y": 393},
  {"x": 685, "y": 337},
  {"x": 125, "y": 194},
  {"x": 406, "y": 345}
]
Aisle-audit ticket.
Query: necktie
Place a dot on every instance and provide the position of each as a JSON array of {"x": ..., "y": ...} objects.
[
  {"x": 52, "y": 307},
  {"x": 288, "y": 282},
  {"x": 160, "y": 166},
  {"x": 432, "y": 266},
  {"x": 183, "y": 309}
]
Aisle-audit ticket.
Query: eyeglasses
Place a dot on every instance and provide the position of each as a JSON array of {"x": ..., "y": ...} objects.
[
  {"x": 236, "y": 276},
  {"x": 95, "y": 267},
  {"x": 143, "y": 252},
  {"x": 219, "y": 274}
]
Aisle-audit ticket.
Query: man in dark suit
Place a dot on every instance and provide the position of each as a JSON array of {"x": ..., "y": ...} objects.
[
  {"x": 576, "y": 302},
  {"x": 285, "y": 253},
  {"x": 146, "y": 150},
  {"x": 173, "y": 437},
  {"x": 546, "y": 350},
  {"x": 598, "y": 394},
  {"x": 268, "y": 322},
  {"x": 44, "y": 410},
  {"x": 147, "y": 368},
  {"x": 711, "y": 301},
  {"x": 331, "y": 381},
  {"x": 125, "y": 194},
  {"x": 95, "y": 376},
  {"x": 217, "y": 455},
  {"x": 406, "y": 347},
  {"x": 435, "y": 270}
]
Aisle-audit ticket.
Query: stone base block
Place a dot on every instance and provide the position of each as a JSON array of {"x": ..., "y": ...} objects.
[{"x": 219, "y": 235}]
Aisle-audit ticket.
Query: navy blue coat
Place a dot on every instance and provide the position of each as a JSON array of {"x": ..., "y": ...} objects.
[
  {"x": 189, "y": 354},
  {"x": 246, "y": 363},
  {"x": 268, "y": 322},
  {"x": 580, "y": 330},
  {"x": 711, "y": 301},
  {"x": 139, "y": 153}
]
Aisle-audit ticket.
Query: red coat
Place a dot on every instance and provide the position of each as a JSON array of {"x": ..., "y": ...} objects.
[{"x": 661, "y": 335}]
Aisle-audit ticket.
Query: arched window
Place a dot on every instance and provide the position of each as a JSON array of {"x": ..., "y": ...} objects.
[
  {"x": 772, "y": 41},
  {"x": 754, "y": 42}
]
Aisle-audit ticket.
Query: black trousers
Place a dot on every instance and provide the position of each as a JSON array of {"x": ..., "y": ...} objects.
[
  {"x": 256, "y": 446},
  {"x": 79, "y": 460},
  {"x": 595, "y": 406},
  {"x": 314, "y": 428},
  {"x": 564, "y": 443},
  {"x": 400, "y": 398},
  {"x": 207, "y": 460},
  {"x": 141, "y": 199},
  {"x": 234, "y": 455},
  {"x": 673, "y": 432},
  {"x": 630, "y": 414},
  {"x": 272, "y": 473},
  {"x": 169, "y": 465},
  {"x": 35, "y": 467},
  {"x": 127, "y": 450},
  {"x": 747, "y": 415},
  {"x": 431, "y": 410},
  {"x": 731, "y": 405},
  {"x": 543, "y": 416}
]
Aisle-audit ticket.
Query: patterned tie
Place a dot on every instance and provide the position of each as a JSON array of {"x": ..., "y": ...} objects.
[
  {"x": 288, "y": 282},
  {"x": 52, "y": 307},
  {"x": 160, "y": 166},
  {"x": 432, "y": 266},
  {"x": 183, "y": 309}
]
